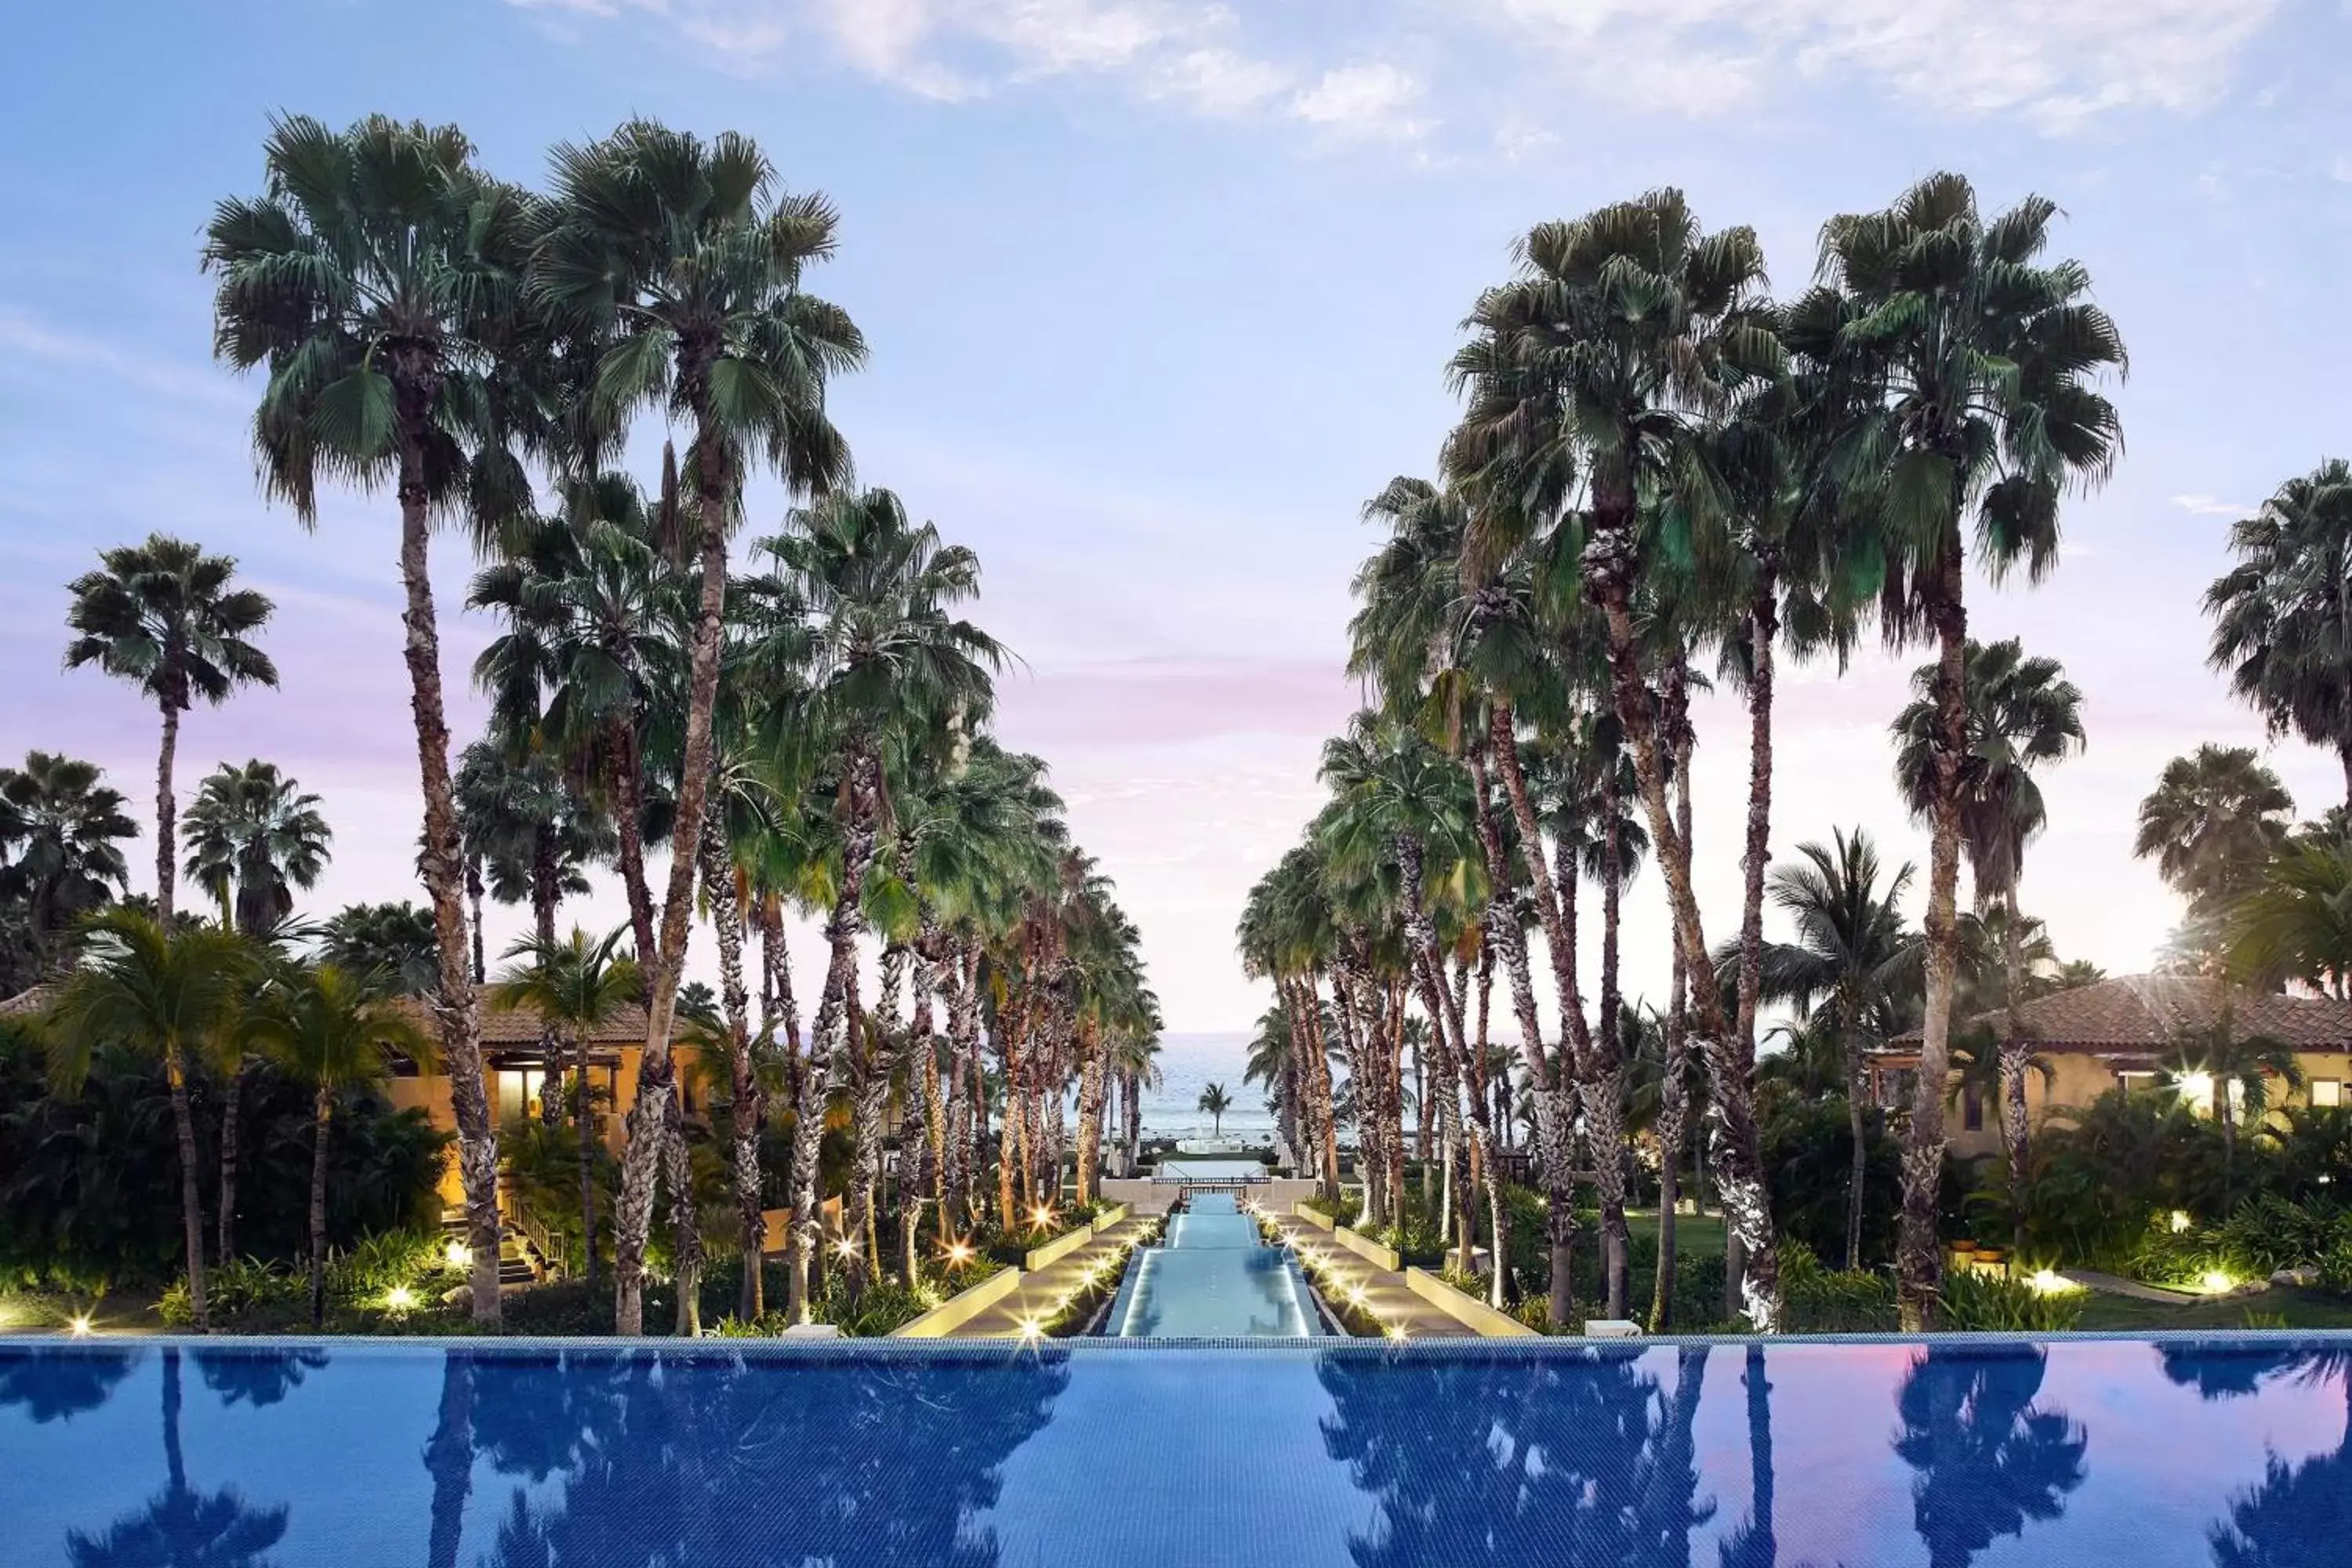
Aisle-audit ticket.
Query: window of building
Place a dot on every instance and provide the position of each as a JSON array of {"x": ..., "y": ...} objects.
[
  {"x": 2328, "y": 1091},
  {"x": 517, "y": 1093},
  {"x": 2135, "y": 1082},
  {"x": 1971, "y": 1110}
]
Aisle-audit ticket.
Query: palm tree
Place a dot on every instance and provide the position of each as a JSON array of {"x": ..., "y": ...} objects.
[
  {"x": 2016, "y": 712},
  {"x": 1978, "y": 362},
  {"x": 377, "y": 279},
  {"x": 2297, "y": 924},
  {"x": 164, "y": 995},
  {"x": 326, "y": 1031},
  {"x": 680, "y": 251},
  {"x": 388, "y": 945},
  {"x": 2212, "y": 823},
  {"x": 1216, "y": 1102},
  {"x": 531, "y": 832},
  {"x": 58, "y": 831},
  {"x": 1853, "y": 961},
  {"x": 577, "y": 988},
  {"x": 253, "y": 838},
  {"x": 888, "y": 658},
  {"x": 161, "y": 614},
  {"x": 1583, "y": 380},
  {"x": 2236, "y": 1070},
  {"x": 2280, "y": 620}
]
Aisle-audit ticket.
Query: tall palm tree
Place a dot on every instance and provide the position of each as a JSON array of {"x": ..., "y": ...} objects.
[
  {"x": 327, "y": 1032},
  {"x": 2212, "y": 823},
  {"x": 1216, "y": 1102},
  {"x": 684, "y": 253},
  {"x": 253, "y": 838},
  {"x": 164, "y": 995},
  {"x": 2017, "y": 712},
  {"x": 1853, "y": 961},
  {"x": 1978, "y": 363},
  {"x": 2281, "y": 624},
  {"x": 377, "y": 279},
  {"x": 888, "y": 658},
  {"x": 577, "y": 988},
  {"x": 1586, "y": 380},
  {"x": 59, "y": 829},
  {"x": 161, "y": 614},
  {"x": 526, "y": 825}
]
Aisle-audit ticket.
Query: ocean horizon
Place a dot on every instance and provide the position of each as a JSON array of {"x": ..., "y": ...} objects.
[{"x": 1189, "y": 1063}]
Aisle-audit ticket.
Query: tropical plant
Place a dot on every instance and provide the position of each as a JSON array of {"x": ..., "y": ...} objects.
[
  {"x": 2017, "y": 712},
  {"x": 59, "y": 828},
  {"x": 162, "y": 615},
  {"x": 1216, "y": 1102},
  {"x": 2280, "y": 625},
  {"x": 377, "y": 279},
  {"x": 2211, "y": 824},
  {"x": 2297, "y": 924},
  {"x": 253, "y": 837},
  {"x": 164, "y": 995},
  {"x": 1978, "y": 362},
  {"x": 390, "y": 946},
  {"x": 324, "y": 1029},
  {"x": 682, "y": 252},
  {"x": 2231, "y": 1072}
]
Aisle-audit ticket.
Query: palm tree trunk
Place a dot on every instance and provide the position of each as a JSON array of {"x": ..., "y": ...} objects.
[
  {"x": 1857, "y": 1129},
  {"x": 744, "y": 1097},
  {"x": 474, "y": 903},
  {"x": 1609, "y": 565},
  {"x": 191, "y": 1203},
  {"x": 1604, "y": 1088},
  {"x": 1554, "y": 1151},
  {"x": 1918, "y": 1256},
  {"x": 1763, "y": 636},
  {"x": 2013, "y": 1073},
  {"x": 1674, "y": 1109},
  {"x": 442, "y": 862},
  {"x": 685, "y": 1222},
  {"x": 232, "y": 1137},
  {"x": 583, "y": 1115},
  {"x": 323, "y": 1109},
  {"x": 167, "y": 874},
  {"x": 1090, "y": 1099}
]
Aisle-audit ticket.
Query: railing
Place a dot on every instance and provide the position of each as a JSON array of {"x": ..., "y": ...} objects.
[{"x": 533, "y": 1229}]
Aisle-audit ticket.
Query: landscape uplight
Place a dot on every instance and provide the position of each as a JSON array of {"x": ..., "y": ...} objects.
[
  {"x": 1041, "y": 1217},
  {"x": 960, "y": 1253},
  {"x": 459, "y": 1255},
  {"x": 80, "y": 1326},
  {"x": 847, "y": 1248},
  {"x": 2050, "y": 1282},
  {"x": 1032, "y": 1329},
  {"x": 2179, "y": 1221},
  {"x": 400, "y": 1298},
  {"x": 2218, "y": 1283}
]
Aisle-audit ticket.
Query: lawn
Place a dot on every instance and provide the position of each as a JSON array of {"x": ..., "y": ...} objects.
[
  {"x": 2300, "y": 1309},
  {"x": 1695, "y": 1236}
]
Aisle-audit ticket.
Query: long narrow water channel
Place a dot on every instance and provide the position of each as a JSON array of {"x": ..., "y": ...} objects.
[{"x": 1213, "y": 1278}]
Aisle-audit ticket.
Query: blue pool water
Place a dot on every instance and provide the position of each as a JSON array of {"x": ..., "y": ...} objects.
[
  {"x": 1212, "y": 1168},
  {"x": 1293, "y": 1455},
  {"x": 1211, "y": 1277}
]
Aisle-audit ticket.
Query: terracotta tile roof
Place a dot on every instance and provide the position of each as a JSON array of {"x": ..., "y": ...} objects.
[
  {"x": 522, "y": 1027},
  {"x": 2145, "y": 1012}
]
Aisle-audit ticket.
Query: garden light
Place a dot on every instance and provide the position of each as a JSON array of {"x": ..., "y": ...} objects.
[
  {"x": 2050, "y": 1282},
  {"x": 1041, "y": 1217},
  {"x": 959, "y": 1254},
  {"x": 80, "y": 1326},
  {"x": 847, "y": 1248},
  {"x": 1394, "y": 1331},
  {"x": 2179, "y": 1221},
  {"x": 2217, "y": 1283},
  {"x": 1032, "y": 1329},
  {"x": 459, "y": 1255},
  {"x": 399, "y": 1299}
]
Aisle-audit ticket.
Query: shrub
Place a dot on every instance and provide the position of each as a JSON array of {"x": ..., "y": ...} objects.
[
  {"x": 1820, "y": 1300},
  {"x": 1995, "y": 1304},
  {"x": 2268, "y": 1233}
]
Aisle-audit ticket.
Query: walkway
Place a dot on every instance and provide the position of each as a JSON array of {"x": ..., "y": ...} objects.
[
  {"x": 1040, "y": 1290},
  {"x": 2112, "y": 1285},
  {"x": 1386, "y": 1296}
]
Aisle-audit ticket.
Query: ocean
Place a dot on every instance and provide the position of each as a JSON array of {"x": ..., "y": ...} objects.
[{"x": 1189, "y": 1063}]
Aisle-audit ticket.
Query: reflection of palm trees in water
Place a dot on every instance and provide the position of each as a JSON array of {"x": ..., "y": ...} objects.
[
  {"x": 1567, "y": 1461},
  {"x": 59, "y": 1384},
  {"x": 183, "y": 1528},
  {"x": 1990, "y": 1459},
  {"x": 726, "y": 1457},
  {"x": 2300, "y": 1515},
  {"x": 1754, "y": 1544}
]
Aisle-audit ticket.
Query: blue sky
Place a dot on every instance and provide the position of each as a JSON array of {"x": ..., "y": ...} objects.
[{"x": 1157, "y": 293}]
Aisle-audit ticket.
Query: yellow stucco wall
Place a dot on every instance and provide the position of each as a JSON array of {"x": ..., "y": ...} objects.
[{"x": 2078, "y": 1078}]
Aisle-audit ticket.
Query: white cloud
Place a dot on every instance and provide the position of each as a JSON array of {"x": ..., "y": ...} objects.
[
  {"x": 2057, "y": 66},
  {"x": 2201, "y": 505},
  {"x": 1370, "y": 97},
  {"x": 1216, "y": 82},
  {"x": 2342, "y": 171}
]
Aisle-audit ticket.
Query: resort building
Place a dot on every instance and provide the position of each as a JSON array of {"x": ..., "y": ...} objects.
[{"x": 2122, "y": 1034}]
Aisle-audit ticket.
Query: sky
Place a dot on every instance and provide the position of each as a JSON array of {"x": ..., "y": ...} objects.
[{"x": 1159, "y": 292}]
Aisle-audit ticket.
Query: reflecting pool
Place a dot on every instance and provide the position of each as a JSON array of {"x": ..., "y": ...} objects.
[
  {"x": 1213, "y": 1276},
  {"x": 1730, "y": 1454}
]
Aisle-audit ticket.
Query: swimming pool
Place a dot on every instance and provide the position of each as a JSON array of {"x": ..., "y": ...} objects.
[
  {"x": 1346, "y": 1453},
  {"x": 1213, "y": 1276}
]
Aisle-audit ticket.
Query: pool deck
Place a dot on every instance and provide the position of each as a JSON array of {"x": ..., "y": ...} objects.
[
  {"x": 1039, "y": 1291},
  {"x": 1385, "y": 1292}
]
